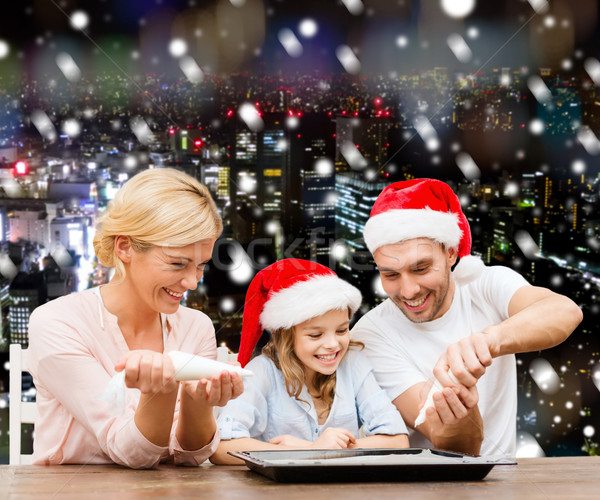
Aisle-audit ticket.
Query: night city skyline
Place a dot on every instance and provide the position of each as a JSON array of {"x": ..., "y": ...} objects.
[{"x": 296, "y": 117}]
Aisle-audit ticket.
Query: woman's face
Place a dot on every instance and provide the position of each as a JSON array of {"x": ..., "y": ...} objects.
[
  {"x": 320, "y": 343},
  {"x": 161, "y": 275}
]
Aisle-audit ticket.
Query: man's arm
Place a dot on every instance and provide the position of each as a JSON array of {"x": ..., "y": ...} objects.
[
  {"x": 454, "y": 423},
  {"x": 538, "y": 319}
]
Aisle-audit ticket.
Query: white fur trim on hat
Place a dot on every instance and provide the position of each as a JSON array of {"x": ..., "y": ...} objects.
[
  {"x": 308, "y": 299},
  {"x": 398, "y": 225}
]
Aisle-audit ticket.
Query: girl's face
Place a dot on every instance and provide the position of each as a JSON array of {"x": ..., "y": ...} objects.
[
  {"x": 320, "y": 343},
  {"x": 161, "y": 275}
]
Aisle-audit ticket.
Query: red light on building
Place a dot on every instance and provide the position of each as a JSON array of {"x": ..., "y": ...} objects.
[
  {"x": 230, "y": 112},
  {"x": 21, "y": 168},
  {"x": 197, "y": 143},
  {"x": 171, "y": 131},
  {"x": 377, "y": 101},
  {"x": 299, "y": 113}
]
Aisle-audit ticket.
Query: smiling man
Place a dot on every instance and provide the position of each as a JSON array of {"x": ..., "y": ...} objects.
[{"x": 450, "y": 317}]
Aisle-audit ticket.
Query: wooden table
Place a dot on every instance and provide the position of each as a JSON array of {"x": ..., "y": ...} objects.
[{"x": 531, "y": 479}]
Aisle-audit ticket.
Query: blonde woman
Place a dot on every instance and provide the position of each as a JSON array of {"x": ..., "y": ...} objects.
[
  {"x": 312, "y": 387},
  {"x": 158, "y": 234}
]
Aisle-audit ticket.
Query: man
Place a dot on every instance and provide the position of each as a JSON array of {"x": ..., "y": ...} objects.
[{"x": 451, "y": 319}]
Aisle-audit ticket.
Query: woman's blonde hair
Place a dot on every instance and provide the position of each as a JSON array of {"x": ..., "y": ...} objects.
[
  {"x": 157, "y": 207},
  {"x": 280, "y": 350}
]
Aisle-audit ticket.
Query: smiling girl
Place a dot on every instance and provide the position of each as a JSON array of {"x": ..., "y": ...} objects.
[
  {"x": 312, "y": 387},
  {"x": 158, "y": 234}
]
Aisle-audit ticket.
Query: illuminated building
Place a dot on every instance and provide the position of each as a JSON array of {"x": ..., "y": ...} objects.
[
  {"x": 216, "y": 179},
  {"x": 318, "y": 215},
  {"x": 27, "y": 291},
  {"x": 354, "y": 203},
  {"x": 29, "y": 225}
]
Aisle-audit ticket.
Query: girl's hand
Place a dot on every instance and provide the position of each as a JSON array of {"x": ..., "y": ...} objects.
[
  {"x": 335, "y": 438},
  {"x": 291, "y": 441},
  {"x": 149, "y": 371},
  {"x": 214, "y": 392}
]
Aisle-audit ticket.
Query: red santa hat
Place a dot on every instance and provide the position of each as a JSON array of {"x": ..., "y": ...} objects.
[
  {"x": 287, "y": 293},
  {"x": 423, "y": 208}
]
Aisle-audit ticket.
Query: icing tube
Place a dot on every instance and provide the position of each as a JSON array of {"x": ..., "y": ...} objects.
[
  {"x": 187, "y": 367},
  {"x": 436, "y": 387},
  {"x": 191, "y": 367}
]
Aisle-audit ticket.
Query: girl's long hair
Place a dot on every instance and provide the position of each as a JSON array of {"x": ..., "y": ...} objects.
[{"x": 280, "y": 350}]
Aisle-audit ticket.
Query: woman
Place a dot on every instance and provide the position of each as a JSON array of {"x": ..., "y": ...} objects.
[{"x": 158, "y": 233}]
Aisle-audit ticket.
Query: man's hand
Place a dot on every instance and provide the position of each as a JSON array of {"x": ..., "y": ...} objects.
[
  {"x": 454, "y": 422},
  {"x": 466, "y": 359},
  {"x": 450, "y": 405}
]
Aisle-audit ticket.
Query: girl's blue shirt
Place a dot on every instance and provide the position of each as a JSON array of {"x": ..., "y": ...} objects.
[{"x": 265, "y": 409}]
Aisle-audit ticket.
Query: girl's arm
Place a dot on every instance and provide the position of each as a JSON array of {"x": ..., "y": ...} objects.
[
  {"x": 221, "y": 457},
  {"x": 382, "y": 441}
]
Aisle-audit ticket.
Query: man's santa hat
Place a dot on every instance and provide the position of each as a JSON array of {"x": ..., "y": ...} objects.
[
  {"x": 288, "y": 293},
  {"x": 423, "y": 208}
]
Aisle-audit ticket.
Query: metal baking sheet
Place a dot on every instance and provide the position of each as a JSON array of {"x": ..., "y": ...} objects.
[{"x": 362, "y": 465}]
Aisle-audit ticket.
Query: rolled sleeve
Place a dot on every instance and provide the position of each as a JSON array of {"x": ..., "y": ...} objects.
[
  {"x": 196, "y": 457},
  {"x": 144, "y": 455}
]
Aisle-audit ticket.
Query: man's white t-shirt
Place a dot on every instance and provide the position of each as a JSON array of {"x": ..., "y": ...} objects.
[{"x": 404, "y": 353}]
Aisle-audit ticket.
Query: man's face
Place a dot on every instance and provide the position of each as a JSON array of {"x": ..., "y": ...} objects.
[{"x": 416, "y": 276}]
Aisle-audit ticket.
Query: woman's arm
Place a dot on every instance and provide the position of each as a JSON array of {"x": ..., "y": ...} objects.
[
  {"x": 68, "y": 372},
  {"x": 152, "y": 374},
  {"x": 196, "y": 425}
]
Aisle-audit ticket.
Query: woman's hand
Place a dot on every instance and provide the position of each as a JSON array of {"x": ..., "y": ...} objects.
[
  {"x": 149, "y": 371},
  {"x": 335, "y": 438},
  {"x": 216, "y": 391}
]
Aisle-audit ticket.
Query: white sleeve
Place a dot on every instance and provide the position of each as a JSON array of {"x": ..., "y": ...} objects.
[{"x": 496, "y": 286}]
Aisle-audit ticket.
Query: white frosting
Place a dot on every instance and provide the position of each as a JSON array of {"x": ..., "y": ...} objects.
[{"x": 436, "y": 387}]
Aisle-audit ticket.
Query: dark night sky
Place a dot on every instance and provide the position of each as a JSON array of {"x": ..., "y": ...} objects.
[{"x": 244, "y": 32}]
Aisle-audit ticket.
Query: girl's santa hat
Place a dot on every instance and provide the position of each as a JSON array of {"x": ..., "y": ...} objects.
[
  {"x": 287, "y": 293},
  {"x": 423, "y": 208}
]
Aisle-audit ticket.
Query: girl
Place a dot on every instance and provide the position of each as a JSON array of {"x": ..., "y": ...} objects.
[
  {"x": 311, "y": 388},
  {"x": 158, "y": 233}
]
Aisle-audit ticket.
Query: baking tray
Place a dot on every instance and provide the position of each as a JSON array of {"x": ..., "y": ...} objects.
[{"x": 362, "y": 465}]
